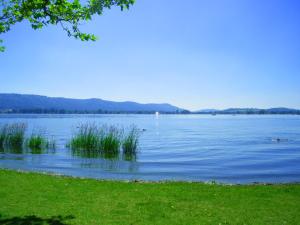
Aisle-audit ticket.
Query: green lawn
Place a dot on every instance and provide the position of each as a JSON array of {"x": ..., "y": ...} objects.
[{"x": 30, "y": 198}]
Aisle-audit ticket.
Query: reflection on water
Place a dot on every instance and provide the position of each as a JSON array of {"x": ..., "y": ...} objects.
[
  {"x": 110, "y": 165},
  {"x": 26, "y": 150},
  {"x": 108, "y": 161},
  {"x": 11, "y": 150},
  {"x": 84, "y": 153},
  {"x": 129, "y": 156},
  {"x": 41, "y": 150}
]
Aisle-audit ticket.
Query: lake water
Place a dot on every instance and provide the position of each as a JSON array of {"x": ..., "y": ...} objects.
[{"x": 223, "y": 148}]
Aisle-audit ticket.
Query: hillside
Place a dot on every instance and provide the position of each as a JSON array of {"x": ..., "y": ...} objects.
[{"x": 37, "y": 103}]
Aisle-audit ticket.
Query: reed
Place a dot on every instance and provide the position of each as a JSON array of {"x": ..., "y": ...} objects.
[
  {"x": 130, "y": 141},
  {"x": 91, "y": 140},
  {"x": 87, "y": 137},
  {"x": 90, "y": 137},
  {"x": 12, "y": 135},
  {"x": 38, "y": 142},
  {"x": 111, "y": 139},
  {"x": 3, "y": 134}
]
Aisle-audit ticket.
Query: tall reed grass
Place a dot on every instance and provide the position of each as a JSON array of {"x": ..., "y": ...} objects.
[
  {"x": 87, "y": 137},
  {"x": 106, "y": 141},
  {"x": 13, "y": 139},
  {"x": 38, "y": 142},
  {"x": 12, "y": 135},
  {"x": 3, "y": 132},
  {"x": 131, "y": 140},
  {"x": 111, "y": 139}
]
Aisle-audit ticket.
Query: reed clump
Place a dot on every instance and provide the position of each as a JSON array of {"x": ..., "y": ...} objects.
[
  {"x": 12, "y": 135},
  {"x": 3, "y": 134},
  {"x": 111, "y": 139},
  {"x": 87, "y": 137},
  {"x": 131, "y": 140},
  {"x": 105, "y": 140},
  {"x": 38, "y": 142}
]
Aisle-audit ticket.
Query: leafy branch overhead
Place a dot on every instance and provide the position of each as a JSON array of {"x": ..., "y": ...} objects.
[{"x": 68, "y": 14}]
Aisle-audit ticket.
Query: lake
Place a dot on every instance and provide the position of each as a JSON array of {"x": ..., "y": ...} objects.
[{"x": 222, "y": 148}]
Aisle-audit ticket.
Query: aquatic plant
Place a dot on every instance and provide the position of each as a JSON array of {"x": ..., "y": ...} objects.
[
  {"x": 131, "y": 140},
  {"x": 92, "y": 137},
  {"x": 132, "y": 157},
  {"x": 111, "y": 138},
  {"x": 38, "y": 142},
  {"x": 3, "y": 131},
  {"x": 12, "y": 139},
  {"x": 87, "y": 137},
  {"x": 12, "y": 135},
  {"x": 105, "y": 141}
]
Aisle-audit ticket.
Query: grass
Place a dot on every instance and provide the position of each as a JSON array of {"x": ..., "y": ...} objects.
[
  {"x": 105, "y": 141},
  {"x": 2, "y": 135},
  {"x": 89, "y": 141},
  {"x": 65, "y": 200},
  {"x": 130, "y": 142},
  {"x": 12, "y": 139},
  {"x": 12, "y": 135},
  {"x": 38, "y": 142},
  {"x": 87, "y": 137},
  {"x": 111, "y": 139}
]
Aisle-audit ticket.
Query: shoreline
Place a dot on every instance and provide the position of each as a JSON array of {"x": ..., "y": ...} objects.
[{"x": 211, "y": 182}]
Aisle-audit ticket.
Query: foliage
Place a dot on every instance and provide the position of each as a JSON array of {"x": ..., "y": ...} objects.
[
  {"x": 38, "y": 142},
  {"x": 114, "y": 202},
  {"x": 12, "y": 139},
  {"x": 130, "y": 142},
  {"x": 87, "y": 137},
  {"x": 68, "y": 13},
  {"x": 96, "y": 138},
  {"x": 3, "y": 133},
  {"x": 111, "y": 139},
  {"x": 12, "y": 135},
  {"x": 93, "y": 141}
]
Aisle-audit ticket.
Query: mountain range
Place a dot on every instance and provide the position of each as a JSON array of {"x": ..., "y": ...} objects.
[
  {"x": 279, "y": 110},
  {"x": 22, "y": 103}
]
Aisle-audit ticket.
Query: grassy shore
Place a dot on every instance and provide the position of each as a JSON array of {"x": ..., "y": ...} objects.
[{"x": 30, "y": 198}]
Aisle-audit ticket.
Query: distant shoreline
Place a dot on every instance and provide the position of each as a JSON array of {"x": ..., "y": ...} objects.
[
  {"x": 139, "y": 113},
  {"x": 37, "y": 104}
]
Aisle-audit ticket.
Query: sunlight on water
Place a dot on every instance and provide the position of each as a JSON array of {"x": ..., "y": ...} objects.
[{"x": 234, "y": 149}]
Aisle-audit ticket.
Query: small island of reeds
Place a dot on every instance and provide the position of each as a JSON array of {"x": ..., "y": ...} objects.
[
  {"x": 13, "y": 138},
  {"x": 107, "y": 140}
]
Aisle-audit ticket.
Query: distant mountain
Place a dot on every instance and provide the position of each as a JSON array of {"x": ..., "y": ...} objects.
[
  {"x": 282, "y": 110},
  {"x": 207, "y": 111},
  {"x": 240, "y": 110},
  {"x": 43, "y": 104},
  {"x": 249, "y": 111}
]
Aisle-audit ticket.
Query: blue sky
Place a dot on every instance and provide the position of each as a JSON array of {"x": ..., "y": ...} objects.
[{"x": 194, "y": 54}]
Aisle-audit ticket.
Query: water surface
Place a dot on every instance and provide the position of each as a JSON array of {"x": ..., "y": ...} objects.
[{"x": 223, "y": 148}]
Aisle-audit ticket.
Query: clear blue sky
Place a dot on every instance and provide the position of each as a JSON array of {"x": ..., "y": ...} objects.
[{"x": 194, "y": 54}]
